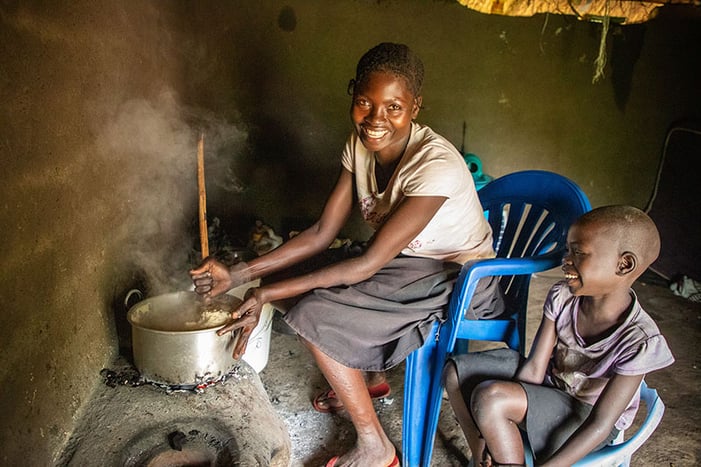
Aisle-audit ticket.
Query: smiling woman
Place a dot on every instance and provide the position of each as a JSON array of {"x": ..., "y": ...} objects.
[{"x": 364, "y": 314}]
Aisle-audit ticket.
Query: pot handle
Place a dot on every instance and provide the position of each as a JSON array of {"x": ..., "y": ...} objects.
[{"x": 133, "y": 292}]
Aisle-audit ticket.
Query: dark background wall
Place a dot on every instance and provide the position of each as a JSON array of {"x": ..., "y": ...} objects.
[{"x": 103, "y": 102}]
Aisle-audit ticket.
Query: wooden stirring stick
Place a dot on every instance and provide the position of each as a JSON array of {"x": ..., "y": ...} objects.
[{"x": 204, "y": 238}]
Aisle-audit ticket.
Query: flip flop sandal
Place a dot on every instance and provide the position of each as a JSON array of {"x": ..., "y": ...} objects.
[
  {"x": 376, "y": 392},
  {"x": 394, "y": 463}
]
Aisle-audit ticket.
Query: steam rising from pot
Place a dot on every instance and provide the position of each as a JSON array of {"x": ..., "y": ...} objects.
[{"x": 152, "y": 146}]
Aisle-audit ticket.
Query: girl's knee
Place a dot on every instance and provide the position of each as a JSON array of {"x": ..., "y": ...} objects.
[
  {"x": 489, "y": 398},
  {"x": 450, "y": 379}
]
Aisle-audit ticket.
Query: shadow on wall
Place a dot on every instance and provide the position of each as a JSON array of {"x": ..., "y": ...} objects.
[
  {"x": 676, "y": 202},
  {"x": 625, "y": 51}
]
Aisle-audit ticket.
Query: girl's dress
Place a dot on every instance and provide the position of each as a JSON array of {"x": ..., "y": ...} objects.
[{"x": 577, "y": 373}]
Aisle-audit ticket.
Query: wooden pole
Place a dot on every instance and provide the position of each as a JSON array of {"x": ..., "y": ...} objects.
[{"x": 204, "y": 238}]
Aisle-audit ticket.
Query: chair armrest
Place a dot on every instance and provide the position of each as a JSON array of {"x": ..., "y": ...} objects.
[
  {"x": 472, "y": 271},
  {"x": 512, "y": 266}
]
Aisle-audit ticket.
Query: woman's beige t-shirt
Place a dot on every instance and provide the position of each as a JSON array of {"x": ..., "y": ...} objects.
[{"x": 430, "y": 166}]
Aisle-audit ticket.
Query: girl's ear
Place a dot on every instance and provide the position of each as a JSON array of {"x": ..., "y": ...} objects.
[
  {"x": 627, "y": 263},
  {"x": 417, "y": 106}
]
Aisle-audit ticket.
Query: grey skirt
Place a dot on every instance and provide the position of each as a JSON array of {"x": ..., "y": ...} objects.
[
  {"x": 375, "y": 324},
  {"x": 552, "y": 416}
]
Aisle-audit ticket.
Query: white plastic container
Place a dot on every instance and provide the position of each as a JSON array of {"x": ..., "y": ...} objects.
[{"x": 258, "y": 348}]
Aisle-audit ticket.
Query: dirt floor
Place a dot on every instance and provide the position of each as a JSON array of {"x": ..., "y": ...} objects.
[
  {"x": 267, "y": 419},
  {"x": 291, "y": 380}
]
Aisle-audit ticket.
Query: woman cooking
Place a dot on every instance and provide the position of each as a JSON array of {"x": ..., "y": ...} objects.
[{"x": 363, "y": 315}]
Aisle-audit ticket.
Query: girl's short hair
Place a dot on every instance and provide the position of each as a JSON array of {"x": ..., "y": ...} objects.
[
  {"x": 629, "y": 227},
  {"x": 397, "y": 59}
]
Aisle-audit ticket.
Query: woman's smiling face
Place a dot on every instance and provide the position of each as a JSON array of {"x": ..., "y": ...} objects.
[{"x": 382, "y": 110}]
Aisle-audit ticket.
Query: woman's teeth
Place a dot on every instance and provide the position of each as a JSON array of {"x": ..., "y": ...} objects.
[
  {"x": 375, "y": 133},
  {"x": 570, "y": 276}
]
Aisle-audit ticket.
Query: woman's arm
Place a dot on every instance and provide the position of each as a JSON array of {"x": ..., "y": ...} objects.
[
  {"x": 212, "y": 278},
  {"x": 533, "y": 370},
  {"x": 408, "y": 220},
  {"x": 608, "y": 408},
  {"x": 315, "y": 238}
]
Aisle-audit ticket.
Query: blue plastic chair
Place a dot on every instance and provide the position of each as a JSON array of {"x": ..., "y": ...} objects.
[
  {"x": 530, "y": 213},
  {"x": 619, "y": 452}
]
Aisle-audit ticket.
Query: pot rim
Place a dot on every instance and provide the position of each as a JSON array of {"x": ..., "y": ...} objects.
[
  {"x": 133, "y": 309},
  {"x": 192, "y": 331}
]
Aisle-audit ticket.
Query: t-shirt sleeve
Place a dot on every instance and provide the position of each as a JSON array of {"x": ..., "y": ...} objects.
[
  {"x": 554, "y": 302},
  {"x": 652, "y": 354},
  {"x": 347, "y": 156}
]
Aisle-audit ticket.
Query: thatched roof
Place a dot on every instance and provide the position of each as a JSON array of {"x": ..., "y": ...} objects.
[{"x": 620, "y": 11}]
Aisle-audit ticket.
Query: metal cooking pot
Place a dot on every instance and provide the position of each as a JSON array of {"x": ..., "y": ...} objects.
[{"x": 175, "y": 341}]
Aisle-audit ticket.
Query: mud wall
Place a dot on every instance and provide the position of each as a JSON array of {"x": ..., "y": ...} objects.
[{"x": 103, "y": 103}]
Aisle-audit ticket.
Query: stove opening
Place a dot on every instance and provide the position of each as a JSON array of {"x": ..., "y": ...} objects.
[{"x": 193, "y": 443}]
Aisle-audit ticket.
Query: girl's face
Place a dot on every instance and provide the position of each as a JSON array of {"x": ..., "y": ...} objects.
[
  {"x": 382, "y": 110},
  {"x": 591, "y": 262}
]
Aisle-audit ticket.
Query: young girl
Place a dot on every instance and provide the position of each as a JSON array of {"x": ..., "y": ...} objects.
[
  {"x": 367, "y": 313},
  {"x": 579, "y": 386}
]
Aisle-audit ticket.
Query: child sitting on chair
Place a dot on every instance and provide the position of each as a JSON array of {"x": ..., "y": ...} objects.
[{"x": 580, "y": 384}]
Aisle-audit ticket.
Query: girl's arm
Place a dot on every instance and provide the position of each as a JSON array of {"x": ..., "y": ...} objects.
[
  {"x": 608, "y": 408},
  {"x": 533, "y": 370}
]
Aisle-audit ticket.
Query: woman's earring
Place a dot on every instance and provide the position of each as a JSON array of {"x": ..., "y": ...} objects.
[{"x": 351, "y": 87}]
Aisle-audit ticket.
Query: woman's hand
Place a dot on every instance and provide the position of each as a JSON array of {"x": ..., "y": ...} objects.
[
  {"x": 246, "y": 317},
  {"x": 212, "y": 278}
]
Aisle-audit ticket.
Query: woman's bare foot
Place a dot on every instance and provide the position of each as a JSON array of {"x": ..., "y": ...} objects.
[{"x": 366, "y": 457}]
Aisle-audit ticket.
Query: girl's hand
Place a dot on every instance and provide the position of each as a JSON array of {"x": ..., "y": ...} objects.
[
  {"x": 246, "y": 318},
  {"x": 212, "y": 278}
]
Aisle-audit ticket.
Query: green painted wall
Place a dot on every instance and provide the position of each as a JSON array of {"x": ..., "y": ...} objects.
[{"x": 102, "y": 104}]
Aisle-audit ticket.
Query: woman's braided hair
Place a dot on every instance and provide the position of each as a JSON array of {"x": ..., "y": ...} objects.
[{"x": 388, "y": 57}]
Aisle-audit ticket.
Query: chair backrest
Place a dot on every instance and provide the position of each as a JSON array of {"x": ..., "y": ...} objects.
[{"x": 530, "y": 213}]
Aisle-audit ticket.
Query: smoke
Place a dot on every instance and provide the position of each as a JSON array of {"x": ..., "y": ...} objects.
[{"x": 152, "y": 147}]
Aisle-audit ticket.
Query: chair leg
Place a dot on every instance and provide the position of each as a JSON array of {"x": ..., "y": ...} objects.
[
  {"x": 433, "y": 408},
  {"x": 419, "y": 375},
  {"x": 417, "y": 383}
]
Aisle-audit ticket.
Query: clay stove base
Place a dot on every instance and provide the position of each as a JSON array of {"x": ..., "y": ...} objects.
[{"x": 229, "y": 423}]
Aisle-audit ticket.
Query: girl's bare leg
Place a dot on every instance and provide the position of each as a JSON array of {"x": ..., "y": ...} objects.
[
  {"x": 462, "y": 413},
  {"x": 372, "y": 447},
  {"x": 498, "y": 407}
]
